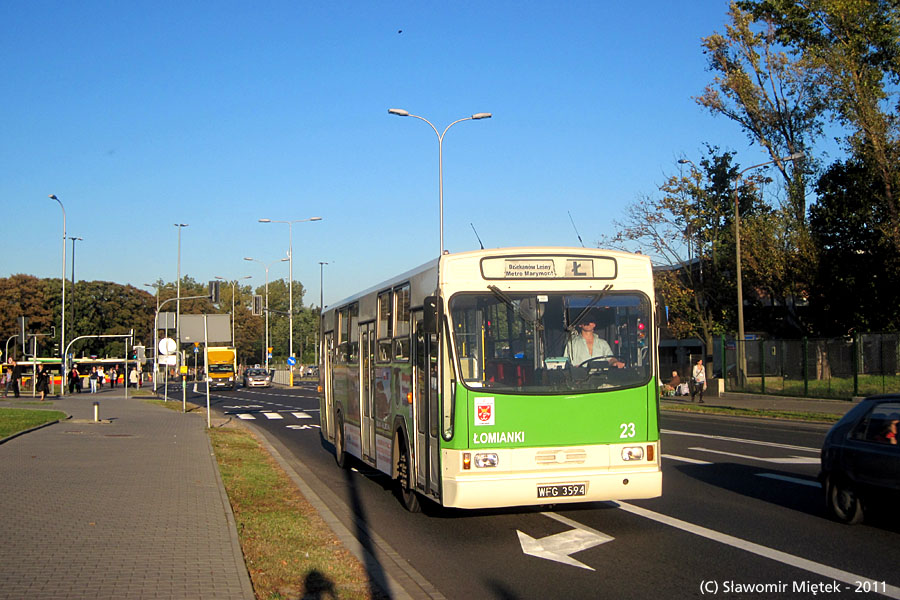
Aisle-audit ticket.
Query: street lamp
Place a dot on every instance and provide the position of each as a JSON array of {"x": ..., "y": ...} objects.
[
  {"x": 266, "y": 266},
  {"x": 62, "y": 333},
  {"x": 180, "y": 226},
  {"x": 155, "y": 335},
  {"x": 74, "y": 239},
  {"x": 291, "y": 277},
  {"x": 403, "y": 113},
  {"x": 321, "y": 306},
  {"x": 742, "y": 359},
  {"x": 233, "y": 292}
]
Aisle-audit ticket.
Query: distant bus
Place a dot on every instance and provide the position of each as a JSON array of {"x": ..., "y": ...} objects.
[{"x": 459, "y": 379}]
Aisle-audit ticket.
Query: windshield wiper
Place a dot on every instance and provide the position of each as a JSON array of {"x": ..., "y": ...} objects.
[
  {"x": 587, "y": 308},
  {"x": 518, "y": 309}
]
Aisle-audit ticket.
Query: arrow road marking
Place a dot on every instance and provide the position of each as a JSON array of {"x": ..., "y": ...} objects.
[
  {"x": 559, "y": 546},
  {"x": 791, "y": 460},
  {"x": 302, "y": 426}
]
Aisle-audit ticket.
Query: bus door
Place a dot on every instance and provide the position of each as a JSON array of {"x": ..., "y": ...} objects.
[
  {"x": 426, "y": 409},
  {"x": 326, "y": 417},
  {"x": 367, "y": 388}
]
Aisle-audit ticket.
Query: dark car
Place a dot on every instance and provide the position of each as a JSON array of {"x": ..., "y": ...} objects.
[
  {"x": 257, "y": 378},
  {"x": 861, "y": 459}
]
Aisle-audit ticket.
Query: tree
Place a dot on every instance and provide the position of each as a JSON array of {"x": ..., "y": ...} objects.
[
  {"x": 855, "y": 46},
  {"x": 857, "y": 275}
]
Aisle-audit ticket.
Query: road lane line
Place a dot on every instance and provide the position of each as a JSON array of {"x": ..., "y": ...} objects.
[
  {"x": 790, "y": 460},
  {"x": 890, "y": 591},
  {"x": 693, "y": 461},
  {"x": 789, "y": 479},
  {"x": 740, "y": 440}
]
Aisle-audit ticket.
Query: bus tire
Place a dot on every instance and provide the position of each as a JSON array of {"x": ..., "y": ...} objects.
[
  {"x": 340, "y": 447},
  {"x": 405, "y": 490}
]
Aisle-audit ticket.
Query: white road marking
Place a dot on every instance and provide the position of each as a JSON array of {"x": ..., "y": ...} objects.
[
  {"x": 851, "y": 579},
  {"x": 687, "y": 460},
  {"x": 559, "y": 546},
  {"x": 740, "y": 440},
  {"x": 301, "y": 415},
  {"x": 302, "y": 426},
  {"x": 789, "y": 479},
  {"x": 273, "y": 415},
  {"x": 791, "y": 460},
  {"x": 246, "y": 416}
]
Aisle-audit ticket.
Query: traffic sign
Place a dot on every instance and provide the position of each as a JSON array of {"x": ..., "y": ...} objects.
[
  {"x": 269, "y": 355},
  {"x": 292, "y": 361},
  {"x": 167, "y": 346}
]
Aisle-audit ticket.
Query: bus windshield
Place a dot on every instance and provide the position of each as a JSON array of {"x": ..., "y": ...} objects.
[{"x": 552, "y": 342}]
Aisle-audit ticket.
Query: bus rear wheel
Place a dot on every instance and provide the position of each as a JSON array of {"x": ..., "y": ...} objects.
[
  {"x": 340, "y": 450},
  {"x": 408, "y": 496}
]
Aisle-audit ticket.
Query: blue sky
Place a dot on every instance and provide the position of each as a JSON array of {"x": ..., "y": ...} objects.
[{"x": 138, "y": 115}]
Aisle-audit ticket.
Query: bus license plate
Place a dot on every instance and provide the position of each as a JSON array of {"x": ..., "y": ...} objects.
[{"x": 561, "y": 491}]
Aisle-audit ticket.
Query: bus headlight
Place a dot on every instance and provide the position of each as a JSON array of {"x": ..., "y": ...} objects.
[
  {"x": 632, "y": 453},
  {"x": 487, "y": 459}
]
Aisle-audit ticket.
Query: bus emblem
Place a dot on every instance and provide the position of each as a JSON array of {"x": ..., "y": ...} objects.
[{"x": 484, "y": 411}]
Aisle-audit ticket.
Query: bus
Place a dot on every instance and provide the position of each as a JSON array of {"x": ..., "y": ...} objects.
[{"x": 458, "y": 380}]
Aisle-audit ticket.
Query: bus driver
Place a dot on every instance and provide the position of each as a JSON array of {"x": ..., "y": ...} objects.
[{"x": 584, "y": 345}]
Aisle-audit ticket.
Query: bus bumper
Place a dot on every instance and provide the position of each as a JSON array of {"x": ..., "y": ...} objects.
[{"x": 480, "y": 488}]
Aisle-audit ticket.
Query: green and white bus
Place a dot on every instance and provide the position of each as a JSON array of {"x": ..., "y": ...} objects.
[{"x": 460, "y": 380}]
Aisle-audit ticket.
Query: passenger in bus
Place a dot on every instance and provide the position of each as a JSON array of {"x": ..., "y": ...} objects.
[{"x": 584, "y": 344}]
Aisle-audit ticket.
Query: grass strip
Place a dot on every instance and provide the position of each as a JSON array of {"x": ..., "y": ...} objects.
[
  {"x": 15, "y": 420},
  {"x": 762, "y": 413},
  {"x": 289, "y": 550}
]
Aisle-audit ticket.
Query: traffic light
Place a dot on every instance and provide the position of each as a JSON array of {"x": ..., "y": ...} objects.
[
  {"x": 214, "y": 291},
  {"x": 642, "y": 335},
  {"x": 23, "y": 338},
  {"x": 257, "y": 305},
  {"x": 139, "y": 354}
]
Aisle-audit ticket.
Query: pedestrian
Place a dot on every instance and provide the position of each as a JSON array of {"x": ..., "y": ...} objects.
[
  {"x": 698, "y": 380},
  {"x": 7, "y": 380},
  {"x": 93, "y": 379},
  {"x": 113, "y": 377},
  {"x": 100, "y": 376},
  {"x": 133, "y": 378},
  {"x": 42, "y": 382},
  {"x": 74, "y": 381},
  {"x": 15, "y": 373}
]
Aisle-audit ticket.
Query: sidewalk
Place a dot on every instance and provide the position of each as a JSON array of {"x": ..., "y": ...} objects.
[
  {"x": 765, "y": 402},
  {"x": 132, "y": 507}
]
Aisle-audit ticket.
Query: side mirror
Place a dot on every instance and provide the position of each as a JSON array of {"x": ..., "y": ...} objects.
[{"x": 431, "y": 319}]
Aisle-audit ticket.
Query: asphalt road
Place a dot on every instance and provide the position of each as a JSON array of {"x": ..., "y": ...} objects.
[{"x": 741, "y": 516}]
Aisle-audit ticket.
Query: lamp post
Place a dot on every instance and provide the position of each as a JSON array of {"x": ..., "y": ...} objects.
[
  {"x": 233, "y": 292},
  {"x": 155, "y": 337},
  {"x": 321, "y": 306},
  {"x": 62, "y": 333},
  {"x": 74, "y": 239},
  {"x": 266, "y": 266},
  {"x": 291, "y": 277},
  {"x": 180, "y": 226},
  {"x": 741, "y": 355},
  {"x": 403, "y": 113}
]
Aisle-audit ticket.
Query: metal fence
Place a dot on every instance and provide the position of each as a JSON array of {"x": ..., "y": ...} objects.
[{"x": 841, "y": 368}]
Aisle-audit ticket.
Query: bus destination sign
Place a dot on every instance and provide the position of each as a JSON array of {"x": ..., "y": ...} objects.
[{"x": 529, "y": 269}]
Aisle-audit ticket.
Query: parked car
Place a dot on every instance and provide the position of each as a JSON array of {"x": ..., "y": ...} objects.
[
  {"x": 257, "y": 378},
  {"x": 861, "y": 459},
  {"x": 312, "y": 371}
]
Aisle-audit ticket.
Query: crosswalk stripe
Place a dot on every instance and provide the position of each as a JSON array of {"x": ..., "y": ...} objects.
[
  {"x": 301, "y": 415},
  {"x": 245, "y": 416},
  {"x": 273, "y": 415}
]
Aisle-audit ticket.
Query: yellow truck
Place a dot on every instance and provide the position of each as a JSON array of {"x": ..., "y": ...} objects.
[{"x": 222, "y": 367}]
